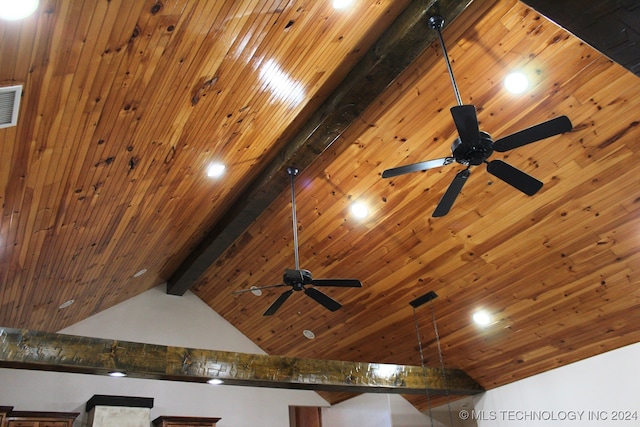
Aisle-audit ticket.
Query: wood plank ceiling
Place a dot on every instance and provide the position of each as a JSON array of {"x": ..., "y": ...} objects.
[{"x": 125, "y": 105}]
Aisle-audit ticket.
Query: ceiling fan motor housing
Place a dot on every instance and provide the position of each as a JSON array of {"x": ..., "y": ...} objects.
[
  {"x": 474, "y": 153},
  {"x": 297, "y": 278}
]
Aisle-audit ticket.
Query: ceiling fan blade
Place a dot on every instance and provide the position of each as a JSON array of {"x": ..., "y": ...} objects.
[
  {"x": 451, "y": 194},
  {"x": 258, "y": 288},
  {"x": 417, "y": 167},
  {"x": 514, "y": 177},
  {"x": 324, "y": 300},
  {"x": 466, "y": 121},
  {"x": 344, "y": 283},
  {"x": 278, "y": 303},
  {"x": 534, "y": 133}
]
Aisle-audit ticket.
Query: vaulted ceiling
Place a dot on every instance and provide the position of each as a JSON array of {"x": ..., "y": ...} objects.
[{"x": 105, "y": 193}]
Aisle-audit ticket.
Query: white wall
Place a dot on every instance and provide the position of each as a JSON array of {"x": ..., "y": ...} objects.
[
  {"x": 375, "y": 410},
  {"x": 157, "y": 318},
  {"x": 594, "y": 392},
  {"x": 371, "y": 410},
  {"x": 404, "y": 414}
]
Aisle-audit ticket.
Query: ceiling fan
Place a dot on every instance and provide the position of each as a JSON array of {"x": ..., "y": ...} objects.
[
  {"x": 473, "y": 146},
  {"x": 302, "y": 280}
]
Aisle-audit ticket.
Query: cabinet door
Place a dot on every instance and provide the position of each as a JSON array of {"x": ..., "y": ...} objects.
[
  {"x": 14, "y": 423},
  {"x": 40, "y": 419}
]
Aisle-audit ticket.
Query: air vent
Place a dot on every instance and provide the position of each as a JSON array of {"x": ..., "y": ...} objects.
[{"x": 9, "y": 105}]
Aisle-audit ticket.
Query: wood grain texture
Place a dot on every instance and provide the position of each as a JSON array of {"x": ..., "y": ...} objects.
[{"x": 126, "y": 103}]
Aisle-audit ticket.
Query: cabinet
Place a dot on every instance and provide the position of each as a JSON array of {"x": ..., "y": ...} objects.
[
  {"x": 39, "y": 419},
  {"x": 4, "y": 410},
  {"x": 168, "y": 421}
]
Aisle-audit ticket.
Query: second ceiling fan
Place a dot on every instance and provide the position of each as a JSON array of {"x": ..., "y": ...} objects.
[
  {"x": 474, "y": 147},
  {"x": 299, "y": 279}
]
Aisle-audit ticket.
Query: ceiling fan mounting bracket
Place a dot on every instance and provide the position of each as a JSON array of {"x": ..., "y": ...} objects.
[{"x": 436, "y": 22}]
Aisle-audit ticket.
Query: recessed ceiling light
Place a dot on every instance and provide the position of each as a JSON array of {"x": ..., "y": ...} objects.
[
  {"x": 215, "y": 381},
  {"x": 66, "y": 304},
  {"x": 341, "y": 4},
  {"x": 215, "y": 170},
  {"x": 117, "y": 374},
  {"x": 359, "y": 210},
  {"x": 256, "y": 291},
  {"x": 140, "y": 273},
  {"x": 516, "y": 82},
  {"x": 308, "y": 334},
  {"x": 482, "y": 317},
  {"x": 12, "y": 10}
]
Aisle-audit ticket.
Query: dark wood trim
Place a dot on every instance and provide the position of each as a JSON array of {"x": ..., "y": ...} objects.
[
  {"x": 42, "y": 414},
  {"x": 126, "y": 401},
  {"x": 196, "y": 421}
]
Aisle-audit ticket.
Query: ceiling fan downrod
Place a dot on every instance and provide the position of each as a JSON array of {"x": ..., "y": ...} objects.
[
  {"x": 292, "y": 171},
  {"x": 436, "y": 22}
]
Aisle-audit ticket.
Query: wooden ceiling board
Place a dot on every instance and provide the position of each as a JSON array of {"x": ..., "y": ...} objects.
[
  {"x": 126, "y": 103},
  {"x": 124, "y": 106},
  {"x": 543, "y": 265}
]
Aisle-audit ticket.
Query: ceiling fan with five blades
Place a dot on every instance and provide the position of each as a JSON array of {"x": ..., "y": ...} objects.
[
  {"x": 474, "y": 147},
  {"x": 299, "y": 279}
]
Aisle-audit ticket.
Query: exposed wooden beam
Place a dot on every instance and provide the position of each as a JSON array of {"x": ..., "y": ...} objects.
[
  {"x": 25, "y": 349},
  {"x": 398, "y": 47}
]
